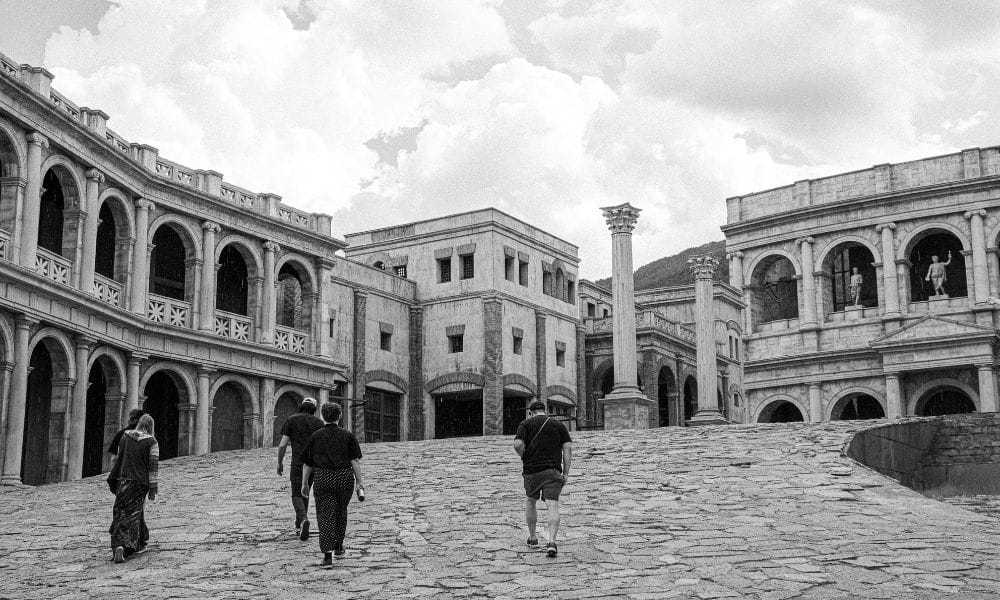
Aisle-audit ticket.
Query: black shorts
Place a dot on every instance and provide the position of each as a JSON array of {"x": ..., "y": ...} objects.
[{"x": 547, "y": 484}]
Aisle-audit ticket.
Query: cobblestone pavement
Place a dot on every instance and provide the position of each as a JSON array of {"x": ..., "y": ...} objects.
[{"x": 764, "y": 512}]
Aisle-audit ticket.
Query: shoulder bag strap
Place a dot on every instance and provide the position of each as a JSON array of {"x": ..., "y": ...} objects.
[{"x": 532, "y": 442}]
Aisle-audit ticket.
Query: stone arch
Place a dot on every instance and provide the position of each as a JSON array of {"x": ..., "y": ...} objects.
[
  {"x": 251, "y": 400},
  {"x": 666, "y": 393},
  {"x": 771, "y": 253},
  {"x": 115, "y": 238},
  {"x": 773, "y": 288},
  {"x": 106, "y": 383},
  {"x": 389, "y": 377},
  {"x": 171, "y": 403},
  {"x": 837, "y": 262},
  {"x": 923, "y": 392},
  {"x": 62, "y": 193},
  {"x": 247, "y": 249},
  {"x": 560, "y": 390},
  {"x": 6, "y": 340},
  {"x": 294, "y": 388},
  {"x": 836, "y": 407},
  {"x": 295, "y": 287},
  {"x": 929, "y": 239},
  {"x": 165, "y": 278},
  {"x": 47, "y": 416},
  {"x": 233, "y": 412},
  {"x": 12, "y": 155},
  {"x": 183, "y": 227},
  {"x": 381, "y": 261},
  {"x": 458, "y": 379},
  {"x": 839, "y": 240},
  {"x": 772, "y": 403},
  {"x": 64, "y": 344},
  {"x": 181, "y": 373},
  {"x": 905, "y": 245},
  {"x": 519, "y": 383},
  {"x": 70, "y": 169},
  {"x": 301, "y": 264},
  {"x": 285, "y": 404},
  {"x": 605, "y": 368}
]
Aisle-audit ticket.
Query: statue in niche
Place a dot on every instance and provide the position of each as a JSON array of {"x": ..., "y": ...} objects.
[
  {"x": 855, "y": 287},
  {"x": 937, "y": 274}
]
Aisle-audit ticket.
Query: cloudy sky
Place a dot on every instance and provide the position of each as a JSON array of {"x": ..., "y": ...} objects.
[{"x": 387, "y": 111}]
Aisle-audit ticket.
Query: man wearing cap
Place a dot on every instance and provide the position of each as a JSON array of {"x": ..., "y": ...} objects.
[
  {"x": 296, "y": 431},
  {"x": 545, "y": 448}
]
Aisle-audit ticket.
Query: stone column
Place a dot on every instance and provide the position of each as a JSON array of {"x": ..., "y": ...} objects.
[
  {"x": 626, "y": 407},
  {"x": 815, "y": 403},
  {"x": 890, "y": 283},
  {"x": 357, "y": 413},
  {"x": 132, "y": 384},
  {"x": 987, "y": 388},
  {"x": 78, "y": 411},
  {"x": 267, "y": 401},
  {"x": 541, "y": 356},
  {"x": 139, "y": 278},
  {"x": 209, "y": 229},
  {"x": 203, "y": 422},
  {"x": 703, "y": 269},
  {"x": 492, "y": 366},
  {"x": 17, "y": 403},
  {"x": 893, "y": 396},
  {"x": 415, "y": 410},
  {"x": 735, "y": 269},
  {"x": 808, "y": 284},
  {"x": 980, "y": 267},
  {"x": 324, "y": 269},
  {"x": 32, "y": 205},
  {"x": 89, "y": 250},
  {"x": 582, "y": 409}
]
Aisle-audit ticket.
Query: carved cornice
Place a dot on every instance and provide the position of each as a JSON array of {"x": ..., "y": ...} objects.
[{"x": 621, "y": 218}]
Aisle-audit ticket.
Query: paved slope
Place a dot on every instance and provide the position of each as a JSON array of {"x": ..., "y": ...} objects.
[{"x": 744, "y": 511}]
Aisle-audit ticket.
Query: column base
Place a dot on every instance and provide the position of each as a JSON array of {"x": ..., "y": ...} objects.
[
  {"x": 13, "y": 481},
  {"x": 707, "y": 417},
  {"x": 626, "y": 408}
]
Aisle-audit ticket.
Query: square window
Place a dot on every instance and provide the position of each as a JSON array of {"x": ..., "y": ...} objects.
[
  {"x": 508, "y": 268},
  {"x": 455, "y": 343},
  {"x": 444, "y": 270},
  {"x": 518, "y": 342},
  {"x": 591, "y": 309},
  {"x": 401, "y": 271},
  {"x": 385, "y": 341},
  {"x": 522, "y": 272},
  {"x": 560, "y": 358},
  {"x": 468, "y": 266}
]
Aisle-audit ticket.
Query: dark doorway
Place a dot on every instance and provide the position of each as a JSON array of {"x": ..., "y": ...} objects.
[
  {"x": 162, "y": 399},
  {"x": 775, "y": 291},
  {"x": 288, "y": 312},
  {"x": 227, "y": 418},
  {"x": 50, "y": 214},
  {"x": 665, "y": 383},
  {"x": 286, "y": 406},
  {"x": 35, "y": 449},
  {"x": 945, "y": 401},
  {"x": 781, "y": 412},
  {"x": 840, "y": 268},
  {"x": 860, "y": 407},
  {"x": 381, "y": 415},
  {"x": 93, "y": 436},
  {"x": 166, "y": 264},
  {"x": 107, "y": 231},
  {"x": 231, "y": 282},
  {"x": 690, "y": 398},
  {"x": 515, "y": 410},
  {"x": 458, "y": 414},
  {"x": 921, "y": 257}
]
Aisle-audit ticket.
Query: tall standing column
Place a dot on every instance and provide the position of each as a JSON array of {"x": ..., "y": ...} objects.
[
  {"x": 78, "y": 412},
  {"x": 890, "y": 283},
  {"x": 209, "y": 229},
  {"x": 324, "y": 269},
  {"x": 139, "y": 279},
  {"x": 415, "y": 402},
  {"x": 808, "y": 283},
  {"x": 492, "y": 366},
  {"x": 987, "y": 388},
  {"x": 32, "y": 204},
  {"x": 357, "y": 417},
  {"x": 132, "y": 384},
  {"x": 703, "y": 269},
  {"x": 893, "y": 396},
  {"x": 735, "y": 269},
  {"x": 267, "y": 297},
  {"x": 202, "y": 415},
  {"x": 815, "y": 403},
  {"x": 626, "y": 407},
  {"x": 267, "y": 402},
  {"x": 980, "y": 268},
  {"x": 89, "y": 250},
  {"x": 18, "y": 401}
]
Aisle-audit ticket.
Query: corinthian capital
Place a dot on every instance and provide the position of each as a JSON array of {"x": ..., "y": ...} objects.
[
  {"x": 703, "y": 267},
  {"x": 621, "y": 218}
]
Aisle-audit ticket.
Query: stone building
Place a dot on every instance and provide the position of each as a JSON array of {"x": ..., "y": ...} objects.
[{"x": 843, "y": 319}]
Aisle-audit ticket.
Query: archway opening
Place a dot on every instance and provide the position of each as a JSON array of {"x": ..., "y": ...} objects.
[
  {"x": 94, "y": 427},
  {"x": 8, "y": 158},
  {"x": 945, "y": 401},
  {"x": 781, "y": 411},
  {"x": 9, "y": 187},
  {"x": 515, "y": 410},
  {"x": 231, "y": 286},
  {"x": 162, "y": 403},
  {"x": 382, "y": 411},
  {"x": 937, "y": 253},
  {"x": 857, "y": 407},
  {"x": 665, "y": 386},
  {"x": 849, "y": 278},
  {"x": 167, "y": 275},
  {"x": 774, "y": 291},
  {"x": 291, "y": 285},
  {"x": 690, "y": 398},
  {"x": 458, "y": 414},
  {"x": 35, "y": 448},
  {"x": 107, "y": 233},
  {"x": 286, "y": 406},
  {"x": 228, "y": 424},
  {"x": 50, "y": 214}
]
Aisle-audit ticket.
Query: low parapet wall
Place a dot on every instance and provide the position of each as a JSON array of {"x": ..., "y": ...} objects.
[{"x": 940, "y": 456}]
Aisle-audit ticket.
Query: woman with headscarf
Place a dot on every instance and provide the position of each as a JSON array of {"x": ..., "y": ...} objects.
[
  {"x": 132, "y": 480},
  {"x": 332, "y": 455}
]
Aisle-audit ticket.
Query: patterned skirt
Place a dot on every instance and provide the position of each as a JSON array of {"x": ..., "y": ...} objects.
[
  {"x": 332, "y": 489},
  {"x": 128, "y": 522}
]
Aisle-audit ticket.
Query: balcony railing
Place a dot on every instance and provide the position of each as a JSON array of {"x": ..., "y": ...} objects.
[
  {"x": 168, "y": 311},
  {"x": 52, "y": 266},
  {"x": 4, "y": 244},
  {"x": 232, "y": 326},
  {"x": 108, "y": 290},
  {"x": 292, "y": 340}
]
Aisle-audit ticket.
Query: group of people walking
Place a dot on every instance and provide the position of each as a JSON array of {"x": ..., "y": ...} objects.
[{"x": 326, "y": 458}]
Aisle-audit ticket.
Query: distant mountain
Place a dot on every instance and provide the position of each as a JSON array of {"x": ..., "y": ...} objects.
[{"x": 674, "y": 270}]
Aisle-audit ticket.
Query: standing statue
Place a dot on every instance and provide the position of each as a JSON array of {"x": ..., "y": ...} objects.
[
  {"x": 856, "y": 280},
  {"x": 937, "y": 275}
]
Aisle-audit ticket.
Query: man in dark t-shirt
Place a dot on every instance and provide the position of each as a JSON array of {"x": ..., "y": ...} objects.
[
  {"x": 545, "y": 448},
  {"x": 296, "y": 431}
]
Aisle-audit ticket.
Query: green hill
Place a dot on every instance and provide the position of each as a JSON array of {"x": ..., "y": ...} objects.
[{"x": 674, "y": 270}]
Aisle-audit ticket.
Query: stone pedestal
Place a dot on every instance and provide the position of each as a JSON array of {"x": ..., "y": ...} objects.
[
  {"x": 938, "y": 297},
  {"x": 626, "y": 408},
  {"x": 853, "y": 312}
]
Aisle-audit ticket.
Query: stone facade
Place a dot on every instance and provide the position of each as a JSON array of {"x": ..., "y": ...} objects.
[{"x": 813, "y": 350}]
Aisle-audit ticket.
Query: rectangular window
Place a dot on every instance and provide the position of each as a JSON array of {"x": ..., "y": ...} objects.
[
  {"x": 522, "y": 272},
  {"x": 546, "y": 283},
  {"x": 455, "y": 343},
  {"x": 444, "y": 270},
  {"x": 605, "y": 313},
  {"x": 385, "y": 341},
  {"x": 401, "y": 271},
  {"x": 508, "y": 268},
  {"x": 518, "y": 342},
  {"x": 560, "y": 358},
  {"x": 381, "y": 416},
  {"x": 332, "y": 327},
  {"x": 591, "y": 310},
  {"x": 570, "y": 291},
  {"x": 468, "y": 266}
]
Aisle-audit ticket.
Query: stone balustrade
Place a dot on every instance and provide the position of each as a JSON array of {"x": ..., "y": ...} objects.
[
  {"x": 108, "y": 290},
  {"x": 52, "y": 266},
  {"x": 168, "y": 311},
  {"x": 291, "y": 340},
  {"x": 233, "y": 326},
  {"x": 4, "y": 244}
]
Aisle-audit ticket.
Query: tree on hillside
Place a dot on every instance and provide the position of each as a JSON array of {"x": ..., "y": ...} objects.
[{"x": 674, "y": 270}]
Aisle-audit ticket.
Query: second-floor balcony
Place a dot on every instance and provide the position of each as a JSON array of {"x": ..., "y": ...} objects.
[
  {"x": 109, "y": 291},
  {"x": 168, "y": 311},
  {"x": 645, "y": 319},
  {"x": 292, "y": 340},
  {"x": 52, "y": 266},
  {"x": 230, "y": 325}
]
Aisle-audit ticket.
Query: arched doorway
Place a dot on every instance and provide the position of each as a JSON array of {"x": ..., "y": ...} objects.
[
  {"x": 932, "y": 246},
  {"x": 231, "y": 284},
  {"x": 458, "y": 414},
  {"x": 228, "y": 424},
  {"x": 50, "y": 214},
  {"x": 107, "y": 235},
  {"x": 840, "y": 267},
  {"x": 10, "y": 172},
  {"x": 945, "y": 401},
  {"x": 35, "y": 449},
  {"x": 286, "y": 406},
  {"x": 774, "y": 294},
  {"x": 857, "y": 407},
  {"x": 163, "y": 398},
  {"x": 93, "y": 436},
  {"x": 690, "y": 398},
  {"x": 167, "y": 264},
  {"x": 780, "y": 411},
  {"x": 665, "y": 396}
]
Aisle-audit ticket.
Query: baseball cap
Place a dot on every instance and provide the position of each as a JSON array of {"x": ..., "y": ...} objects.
[
  {"x": 536, "y": 405},
  {"x": 309, "y": 401}
]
